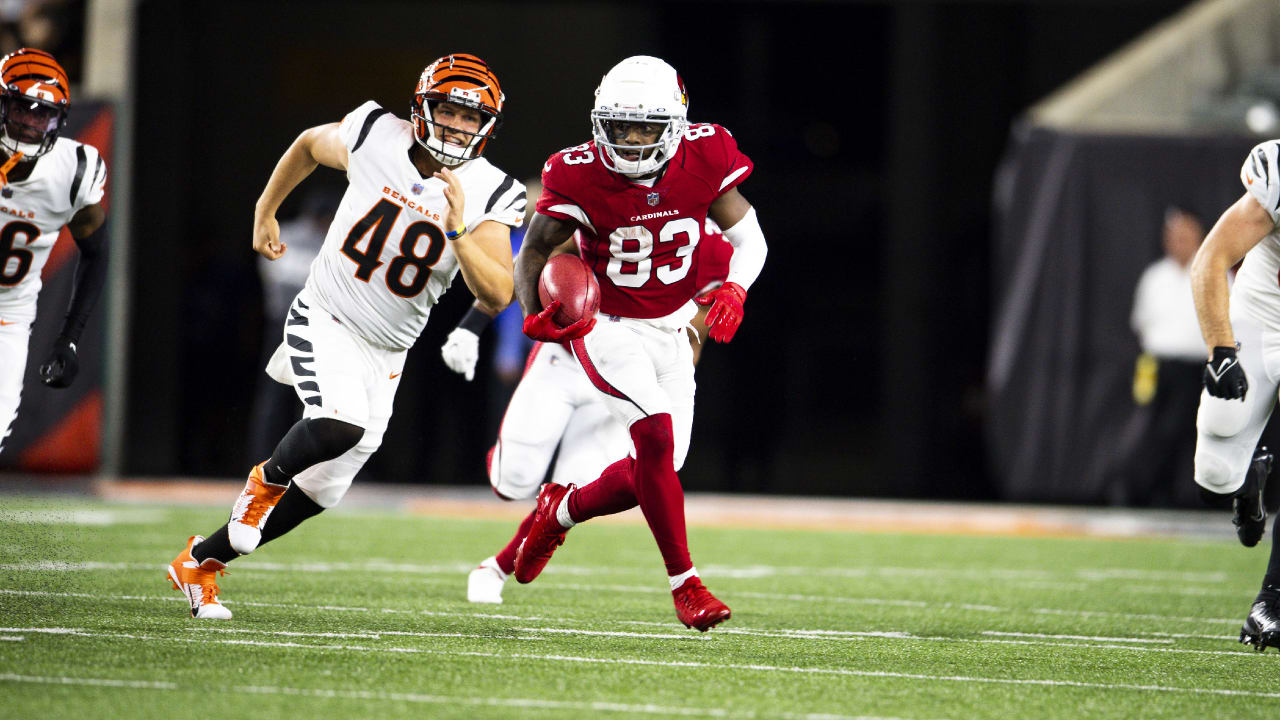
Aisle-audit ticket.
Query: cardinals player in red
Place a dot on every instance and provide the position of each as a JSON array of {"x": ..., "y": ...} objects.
[{"x": 640, "y": 192}]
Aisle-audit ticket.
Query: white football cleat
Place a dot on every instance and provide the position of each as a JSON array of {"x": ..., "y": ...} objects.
[
  {"x": 484, "y": 584},
  {"x": 197, "y": 581}
]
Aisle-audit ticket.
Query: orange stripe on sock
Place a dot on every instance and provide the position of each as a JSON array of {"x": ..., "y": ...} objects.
[{"x": 73, "y": 444}]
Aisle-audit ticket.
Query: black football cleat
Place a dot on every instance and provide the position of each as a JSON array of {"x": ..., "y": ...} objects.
[
  {"x": 1262, "y": 627},
  {"x": 1248, "y": 512}
]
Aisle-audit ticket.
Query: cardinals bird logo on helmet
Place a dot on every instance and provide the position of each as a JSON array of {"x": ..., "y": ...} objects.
[
  {"x": 464, "y": 80},
  {"x": 33, "y": 102}
]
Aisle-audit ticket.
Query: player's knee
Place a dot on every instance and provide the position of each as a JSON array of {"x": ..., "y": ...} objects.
[
  {"x": 331, "y": 437},
  {"x": 1216, "y": 474},
  {"x": 1221, "y": 418},
  {"x": 653, "y": 436}
]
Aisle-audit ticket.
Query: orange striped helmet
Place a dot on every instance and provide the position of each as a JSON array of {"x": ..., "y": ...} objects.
[
  {"x": 464, "y": 81},
  {"x": 33, "y": 102}
]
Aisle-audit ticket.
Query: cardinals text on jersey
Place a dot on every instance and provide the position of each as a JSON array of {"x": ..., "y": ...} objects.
[
  {"x": 385, "y": 260},
  {"x": 640, "y": 240},
  {"x": 69, "y": 177}
]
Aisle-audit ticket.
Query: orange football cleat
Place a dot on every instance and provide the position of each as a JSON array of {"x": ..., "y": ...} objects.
[
  {"x": 198, "y": 582},
  {"x": 252, "y": 508}
]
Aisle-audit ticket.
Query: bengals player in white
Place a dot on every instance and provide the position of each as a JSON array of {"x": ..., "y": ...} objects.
[
  {"x": 556, "y": 412},
  {"x": 640, "y": 192},
  {"x": 421, "y": 206},
  {"x": 46, "y": 182},
  {"x": 1240, "y": 325}
]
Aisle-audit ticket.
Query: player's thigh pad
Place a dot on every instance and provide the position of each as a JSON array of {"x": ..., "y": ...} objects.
[
  {"x": 534, "y": 423},
  {"x": 593, "y": 440},
  {"x": 641, "y": 370},
  {"x": 327, "y": 482},
  {"x": 14, "y": 338},
  {"x": 330, "y": 367},
  {"x": 1228, "y": 430}
]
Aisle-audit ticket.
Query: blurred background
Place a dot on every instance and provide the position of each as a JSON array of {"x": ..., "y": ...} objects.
[{"x": 960, "y": 198}]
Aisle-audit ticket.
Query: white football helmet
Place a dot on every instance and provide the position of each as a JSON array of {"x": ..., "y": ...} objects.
[{"x": 640, "y": 89}]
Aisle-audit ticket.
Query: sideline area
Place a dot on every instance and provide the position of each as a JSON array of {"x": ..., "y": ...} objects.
[{"x": 710, "y": 509}]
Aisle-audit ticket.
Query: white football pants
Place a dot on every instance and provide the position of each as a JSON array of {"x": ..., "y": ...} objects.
[
  {"x": 15, "y": 336},
  {"x": 337, "y": 374}
]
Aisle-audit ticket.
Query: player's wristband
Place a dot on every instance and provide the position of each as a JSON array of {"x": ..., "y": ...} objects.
[
  {"x": 475, "y": 321},
  {"x": 455, "y": 234}
]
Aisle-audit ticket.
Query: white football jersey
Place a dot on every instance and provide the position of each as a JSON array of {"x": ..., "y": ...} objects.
[
  {"x": 69, "y": 177},
  {"x": 1257, "y": 286},
  {"x": 385, "y": 260}
]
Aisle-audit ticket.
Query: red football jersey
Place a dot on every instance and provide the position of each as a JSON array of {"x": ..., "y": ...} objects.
[{"x": 639, "y": 240}]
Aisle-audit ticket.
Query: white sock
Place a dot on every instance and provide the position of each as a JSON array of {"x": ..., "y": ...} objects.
[
  {"x": 491, "y": 562},
  {"x": 562, "y": 511},
  {"x": 678, "y": 580}
]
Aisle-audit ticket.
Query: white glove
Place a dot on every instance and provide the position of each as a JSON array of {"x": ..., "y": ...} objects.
[{"x": 461, "y": 351}]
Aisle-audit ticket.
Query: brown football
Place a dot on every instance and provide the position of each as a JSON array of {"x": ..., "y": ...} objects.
[{"x": 567, "y": 279}]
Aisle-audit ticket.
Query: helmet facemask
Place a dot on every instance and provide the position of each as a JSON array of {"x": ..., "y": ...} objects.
[
  {"x": 652, "y": 156},
  {"x": 431, "y": 135}
]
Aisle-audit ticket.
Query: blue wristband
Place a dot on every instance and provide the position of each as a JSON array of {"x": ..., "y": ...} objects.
[{"x": 455, "y": 234}]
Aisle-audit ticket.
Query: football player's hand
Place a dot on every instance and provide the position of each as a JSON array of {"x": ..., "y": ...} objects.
[
  {"x": 542, "y": 327},
  {"x": 461, "y": 351},
  {"x": 452, "y": 193},
  {"x": 60, "y": 368},
  {"x": 266, "y": 237},
  {"x": 726, "y": 312},
  {"x": 1223, "y": 376}
]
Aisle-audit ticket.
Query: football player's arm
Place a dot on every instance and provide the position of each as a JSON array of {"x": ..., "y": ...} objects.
[
  {"x": 484, "y": 258},
  {"x": 61, "y": 366},
  {"x": 735, "y": 215},
  {"x": 1240, "y": 228},
  {"x": 544, "y": 236},
  {"x": 321, "y": 145}
]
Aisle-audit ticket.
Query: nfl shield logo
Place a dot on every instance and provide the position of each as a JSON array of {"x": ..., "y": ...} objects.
[
  {"x": 653, "y": 199},
  {"x": 417, "y": 188}
]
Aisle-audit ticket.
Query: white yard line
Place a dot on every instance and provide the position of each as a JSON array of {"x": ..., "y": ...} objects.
[
  {"x": 1095, "y": 638},
  {"x": 597, "y": 706},
  {"x": 1037, "y": 577},
  {"x": 529, "y": 618},
  {"x": 815, "y": 671}
]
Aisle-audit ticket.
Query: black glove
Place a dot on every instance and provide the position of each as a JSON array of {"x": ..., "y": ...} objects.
[
  {"x": 61, "y": 367},
  {"x": 1223, "y": 376}
]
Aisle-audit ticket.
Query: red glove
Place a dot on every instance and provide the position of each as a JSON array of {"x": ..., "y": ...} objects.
[
  {"x": 542, "y": 327},
  {"x": 726, "y": 314}
]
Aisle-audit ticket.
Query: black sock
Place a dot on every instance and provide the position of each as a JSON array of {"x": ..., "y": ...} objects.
[
  {"x": 293, "y": 508},
  {"x": 1271, "y": 581},
  {"x": 216, "y": 546},
  {"x": 310, "y": 441}
]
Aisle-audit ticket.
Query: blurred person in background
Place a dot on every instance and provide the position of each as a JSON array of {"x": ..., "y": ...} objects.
[
  {"x": 275, "y": 406},
  {"x": 1158, "y": 445},
  {"x": 421, "y": 206},
  {"x": 46, "y": 182},
  {"x": 1241, "y": 329}
]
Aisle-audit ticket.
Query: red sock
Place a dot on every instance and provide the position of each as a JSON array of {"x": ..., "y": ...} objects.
[
  {"x": 507, "y": 556},
  {"x": 611, "y": 493},
  {"x": 658, "y": 490}
]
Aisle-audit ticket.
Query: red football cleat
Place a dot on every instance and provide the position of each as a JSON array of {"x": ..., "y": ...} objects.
[
  {"x": 697, "y": 607},
  {"x": 545, "y": 535}
]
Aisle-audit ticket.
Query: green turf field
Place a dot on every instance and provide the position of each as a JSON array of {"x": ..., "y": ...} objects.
[{"x": 363, "y": 615}]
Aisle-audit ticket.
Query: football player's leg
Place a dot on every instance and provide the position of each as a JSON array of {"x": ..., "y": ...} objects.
[
  {"x": 593, "y": 441},
  {"x": 1228, "y": 430},
  {"x": 534, "y": 422},
  {"x": 621, "y": 361},
  {"x": 14, "y": 338}
]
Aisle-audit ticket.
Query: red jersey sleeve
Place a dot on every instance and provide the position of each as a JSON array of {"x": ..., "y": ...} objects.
[
  {"x": 725, "y": 165},
  {"x": 558, "y": 186}
]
